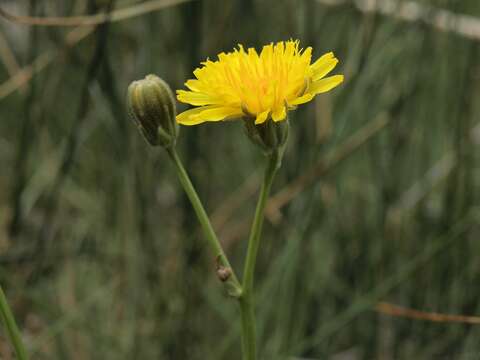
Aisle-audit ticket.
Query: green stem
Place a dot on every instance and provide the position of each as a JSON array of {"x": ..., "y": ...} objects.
[
  {"x": 12, "y": 328},
  {"x": 233, "y": 286},
  {"x": 247, "y": 305}
]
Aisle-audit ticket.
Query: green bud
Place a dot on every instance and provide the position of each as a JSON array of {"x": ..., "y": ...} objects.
[
  {"x": 151, "y": 106},
  {"x": 270, "y": 136}
]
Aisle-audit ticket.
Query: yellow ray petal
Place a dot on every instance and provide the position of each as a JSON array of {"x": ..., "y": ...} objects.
[
  {"x": 321, "y": 60},
  {"x": 279, "y": 114},
  {"x": 324, "y": 69},
  {"x": 302, "y": 99},
  {"x": 325, "y": 84},
  {"x": 196, "y": 98},
  {"x": 262, "y": 117},
  {"x": 194, "y": 85},
  {"x": 216, "y": 114},
  {"x": 185, "y": 118}
]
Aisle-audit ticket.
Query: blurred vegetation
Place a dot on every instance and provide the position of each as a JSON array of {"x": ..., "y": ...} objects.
[{"x": 101, "y": 256}]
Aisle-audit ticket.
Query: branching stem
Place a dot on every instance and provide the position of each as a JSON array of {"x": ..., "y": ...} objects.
[{"x": 232, "y": 284}]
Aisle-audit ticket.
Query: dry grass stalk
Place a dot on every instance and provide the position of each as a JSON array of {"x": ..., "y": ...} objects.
[
  {"x": 400, "y": 311},
  {"x": 412, "y": 11}
]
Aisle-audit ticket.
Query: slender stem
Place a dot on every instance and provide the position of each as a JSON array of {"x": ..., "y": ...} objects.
[
  {"x": 247, "y": 305},
  {"x": 12, "y": 328},
  {"x": 249, "y": 341},
  {"x": 233, "y": 286}
]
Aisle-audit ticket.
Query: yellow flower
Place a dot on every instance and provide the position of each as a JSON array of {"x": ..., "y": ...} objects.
[{"x": 243, "y": 83}]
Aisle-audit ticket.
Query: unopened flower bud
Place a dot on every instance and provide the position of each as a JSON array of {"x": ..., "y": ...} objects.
[
  {"x": 270, "y": 136},
  {"x": 151, "y": 105}
]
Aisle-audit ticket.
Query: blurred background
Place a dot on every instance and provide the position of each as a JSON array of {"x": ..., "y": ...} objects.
[{"x": 376, "y": 203}]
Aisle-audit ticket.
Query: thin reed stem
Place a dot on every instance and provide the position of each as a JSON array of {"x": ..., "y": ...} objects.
[{"x": 12, "y": 328}]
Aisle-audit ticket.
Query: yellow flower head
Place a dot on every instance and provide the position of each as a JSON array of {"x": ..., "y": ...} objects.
[{"x": 244, "y": 83}]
